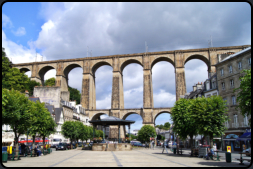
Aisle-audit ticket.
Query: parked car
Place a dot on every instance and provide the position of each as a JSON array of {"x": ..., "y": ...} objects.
[
  {"x": 53, "y": 146},
  {"x": 248, "y": 150},
  {"x": 61, "y": 146}
]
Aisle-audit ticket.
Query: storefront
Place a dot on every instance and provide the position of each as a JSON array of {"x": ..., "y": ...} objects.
[
  {"x": 245, "y": 140},
  {"x": 230, "y": 140}
]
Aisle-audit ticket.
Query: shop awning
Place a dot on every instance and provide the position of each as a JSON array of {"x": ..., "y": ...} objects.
[{"x": 244, "y": 137}]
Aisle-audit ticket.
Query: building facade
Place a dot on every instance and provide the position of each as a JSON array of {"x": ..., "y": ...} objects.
[{"x": 229, "y": 69}]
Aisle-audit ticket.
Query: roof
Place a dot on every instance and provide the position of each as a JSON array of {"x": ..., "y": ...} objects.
[
  {"x": 111, "y": 120},
  {"x": 34, "y": 99},
  {"x": 236, "y": 54},
  {"x": 50, "y": 108}
]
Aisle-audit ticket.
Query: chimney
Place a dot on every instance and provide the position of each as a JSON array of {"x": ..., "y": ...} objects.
[
  {"x": 194, "y": 87},
  {"x": 26, "y": 93},
  {"x": 199, "y": 85}
]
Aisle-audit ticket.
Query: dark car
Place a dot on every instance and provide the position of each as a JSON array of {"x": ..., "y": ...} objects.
[
  {"x": 53, "y": 146},
  {"x": 61, "y": 146}
]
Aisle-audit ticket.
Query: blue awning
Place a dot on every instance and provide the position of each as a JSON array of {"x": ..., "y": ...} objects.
[{"x": 244, "y": 137}]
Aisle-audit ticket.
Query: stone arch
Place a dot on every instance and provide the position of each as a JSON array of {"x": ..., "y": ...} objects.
[
  {"x": 161, "y": 112},
  {"x": 97, "y": 115},
  {"x": 129, "y": 113},
  {"x": 98, "y": 65},
  {"x": 200, "y": 57},
  {"x": 127, "y": 62},
  {"x": 162, "y": 58},
  {"x": 43, "y": 71},
  {"x": 24, "y": 69},
  {"x": 68, "y": 68}
]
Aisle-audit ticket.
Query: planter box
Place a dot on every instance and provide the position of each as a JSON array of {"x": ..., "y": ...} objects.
[{"x": 87, "y": 148}]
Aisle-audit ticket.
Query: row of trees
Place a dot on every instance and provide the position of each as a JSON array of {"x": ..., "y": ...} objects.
[
  {"x": 25, "y": 116},
  {"x": 204, "y": 116},
  {"x": 166, "y": 126},
  {"x": 75, "y": 130}
]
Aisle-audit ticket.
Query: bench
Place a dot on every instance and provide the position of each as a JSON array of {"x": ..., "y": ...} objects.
[
  {"x": 215, "y": 156},
  {"x": 241, "y": 160},
  {"x": 45, "y": 152},
  {"x": 180, "y": 151}
]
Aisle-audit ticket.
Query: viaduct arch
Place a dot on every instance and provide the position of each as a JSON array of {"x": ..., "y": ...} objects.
[{"x": 177, "y": 58}]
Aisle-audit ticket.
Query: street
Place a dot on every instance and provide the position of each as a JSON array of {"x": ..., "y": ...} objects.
[{"x": 138, "y": 157}]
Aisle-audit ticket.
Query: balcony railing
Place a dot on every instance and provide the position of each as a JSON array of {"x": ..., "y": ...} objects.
[
  {"x": 235, "y": 125},
  {"x": 226, "y": 125},
  {"x": 243, "y": 124}
]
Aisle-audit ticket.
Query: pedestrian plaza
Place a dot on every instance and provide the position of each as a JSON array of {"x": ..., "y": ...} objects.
[{"x": 138, "y": 157}]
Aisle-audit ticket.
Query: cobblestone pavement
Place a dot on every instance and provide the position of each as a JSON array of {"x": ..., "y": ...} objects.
[{"x": 139, "y": 157}]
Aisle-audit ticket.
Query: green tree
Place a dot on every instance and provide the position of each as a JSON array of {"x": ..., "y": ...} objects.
[
  {"x": 12, "y": 77},
  {"x": 184, "y": 118},
  {"x": 244, "y": 96},
  {"x": 166, "y": 126},
  {"x": 17, "y": 111},
  {"x": 30, "y": 86},
  {"x": 90, "y": 133},
  {"x": 146, "y": 132},
  {"x": 69, "y": 131},
  {"x": 43, "y": 124},
  {"x": 81, "y": 131},
  {"x": 74, "y": 95},
  {"x": 50, "y": 82},
  {"x": 212, "y": 119}
]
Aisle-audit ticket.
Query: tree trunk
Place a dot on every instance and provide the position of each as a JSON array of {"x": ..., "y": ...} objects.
[
  {"x": 33, "y": 143},
  {"x": 191, "y": 145},
  {"x": 71, "y": 146},
  {"x": 211, "y": 140},
  {"x": 43, "y": 143},
  {"x": 16, "y": 143}
]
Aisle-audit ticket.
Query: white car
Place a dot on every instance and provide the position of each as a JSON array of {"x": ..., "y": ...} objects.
[{"x": 248, "y": 150}]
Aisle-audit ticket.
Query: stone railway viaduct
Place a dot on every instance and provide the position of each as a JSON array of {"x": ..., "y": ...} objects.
[{"x": 178, "y": 58}]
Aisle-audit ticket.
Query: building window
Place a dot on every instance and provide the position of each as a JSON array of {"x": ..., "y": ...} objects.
[
  {"x": 230, "y": 69},
  {"x": 209, "y": 95},
  {"x": 233, "y": 100},
  {"x": 225, "y": 99},
  {"x": 214, "y": 94},
  {"x": 235, "y": 119},
  {"x": 249, "y": 61},
  {"x": 232, "y": 83},
  {"x": 239, "y": 65},
  {"x": 207, "y": 85},
  {"x": 213, "y": 84},
  {"x": 221, "y": 72},
  {"x": 86, "y": 120},
  {"x": 223, "y": 85},
  {"x": 245, "y": 121}
]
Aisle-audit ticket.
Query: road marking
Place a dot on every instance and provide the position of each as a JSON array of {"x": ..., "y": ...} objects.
[
  {"x": 117, "y": 160},
  {"x": 64, "y": 160},
  {"x": 165, "y": 159}
]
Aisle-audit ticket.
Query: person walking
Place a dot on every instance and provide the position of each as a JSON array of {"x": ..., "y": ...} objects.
[{"x": 23, "y": 149}]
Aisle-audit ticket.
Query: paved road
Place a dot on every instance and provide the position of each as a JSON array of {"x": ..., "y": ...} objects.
[{"x": 139, "y": 157}]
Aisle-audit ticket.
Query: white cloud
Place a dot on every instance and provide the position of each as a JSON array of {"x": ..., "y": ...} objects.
[
  {"x": 20, "y": 31},
  {"x": 164, "y": 99},
  {"x": 17, "y": 53},
  {"x": 6, "y": 22}
]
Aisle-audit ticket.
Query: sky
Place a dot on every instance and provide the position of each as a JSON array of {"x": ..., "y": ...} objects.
[{"x": 36, "y": 31}]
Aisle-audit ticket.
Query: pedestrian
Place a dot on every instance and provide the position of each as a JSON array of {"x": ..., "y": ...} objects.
[
  {"x": 23, "y": 148},
  {"x": 37, "y": 151}
]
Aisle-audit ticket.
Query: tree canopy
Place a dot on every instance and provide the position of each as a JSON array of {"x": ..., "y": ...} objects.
[
  {"x": 17, "y": 111},
  {"x": 146, "y": 132},
  {"x": 199, "y": 116},
  {"x": 74, "y": 95},
  {"x": 184, "y": 119},
  {"x": 50, "y": 82},
  {"x": 244, "y": 96}
]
